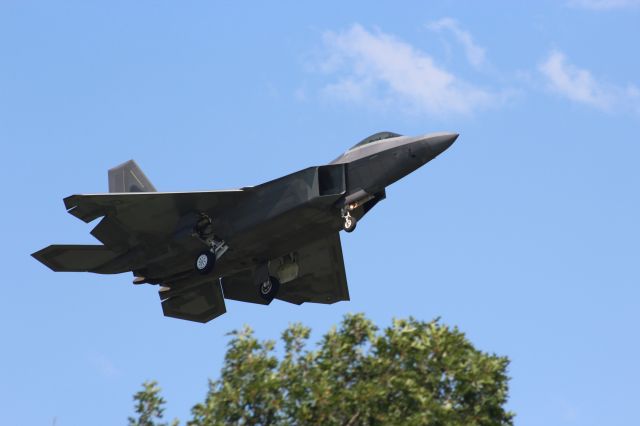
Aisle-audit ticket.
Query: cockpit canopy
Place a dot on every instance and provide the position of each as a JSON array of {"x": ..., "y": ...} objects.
[{"x": 376, "y": 137}]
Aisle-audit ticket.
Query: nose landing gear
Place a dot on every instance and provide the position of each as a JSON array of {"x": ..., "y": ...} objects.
[{"x": 349, "y": 222}]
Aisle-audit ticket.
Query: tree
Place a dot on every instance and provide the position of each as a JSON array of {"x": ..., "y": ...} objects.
[
  {"x": 410, "y": 373},
  {"x": 149, "y": 406}
]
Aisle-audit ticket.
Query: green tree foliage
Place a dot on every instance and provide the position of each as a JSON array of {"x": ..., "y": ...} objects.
[
  {"x": 149, "y": 406},
  {"x": 411, "y": 373}
]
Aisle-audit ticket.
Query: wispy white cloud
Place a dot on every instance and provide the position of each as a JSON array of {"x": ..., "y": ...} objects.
[
  {"x": 104, "y": 365},
  {"x": 579, "y": 85},
  {"x": 475, "y": 53},
  {"x": 604, "y": 4},
  {"x": 574, "y": 83},
  {"x": 376, "y": 68}
]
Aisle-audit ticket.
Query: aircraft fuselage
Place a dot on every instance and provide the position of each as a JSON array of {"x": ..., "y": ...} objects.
[{"x": 204, "y": 247}]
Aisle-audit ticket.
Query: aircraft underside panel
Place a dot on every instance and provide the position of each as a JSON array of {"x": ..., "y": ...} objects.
[
  {"x": 146, "y": 218},
  {"x": 242, "y": 287},
  {"x": 320, "y": 276}
]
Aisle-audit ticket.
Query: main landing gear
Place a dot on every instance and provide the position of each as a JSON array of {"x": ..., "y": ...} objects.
[
  {"x": 269, "y": 288},
  {"x": 206, "y": 260}
]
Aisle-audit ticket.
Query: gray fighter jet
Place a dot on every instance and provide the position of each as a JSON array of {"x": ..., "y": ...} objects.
[{"x": 277, "y": 240}]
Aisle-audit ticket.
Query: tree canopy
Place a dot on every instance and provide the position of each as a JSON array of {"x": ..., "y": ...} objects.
[
  {"x": 149, "y": 406},
  {"x": 410, "y": 373}
]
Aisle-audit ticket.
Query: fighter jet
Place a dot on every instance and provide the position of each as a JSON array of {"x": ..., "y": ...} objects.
[{"x": 278, "y": 240}]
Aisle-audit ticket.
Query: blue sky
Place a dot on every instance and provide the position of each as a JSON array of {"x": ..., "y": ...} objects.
[{"x": 524, "y": 233}]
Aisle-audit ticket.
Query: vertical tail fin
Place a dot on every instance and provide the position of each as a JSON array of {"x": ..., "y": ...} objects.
[{"x": 127, "y": 177}]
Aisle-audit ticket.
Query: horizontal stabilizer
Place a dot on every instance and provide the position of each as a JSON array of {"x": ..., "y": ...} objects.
[{"x": 74, "y": 258}]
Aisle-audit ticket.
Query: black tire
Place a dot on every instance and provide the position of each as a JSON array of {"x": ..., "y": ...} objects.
[
  {"x": 205, "y": 262},
  {"x": 349, "y": 224},
  {"x": 269, "y": 289}
]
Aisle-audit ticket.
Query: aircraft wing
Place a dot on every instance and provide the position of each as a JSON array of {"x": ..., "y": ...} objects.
[
  {"x": 135, "y": 216},
  {"x": 321, "y": 277}
]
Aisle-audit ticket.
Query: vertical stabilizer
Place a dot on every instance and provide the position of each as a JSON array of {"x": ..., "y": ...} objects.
[{"x": 127, "y": 177}]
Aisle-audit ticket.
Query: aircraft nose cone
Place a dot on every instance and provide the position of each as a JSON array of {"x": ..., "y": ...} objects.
[{"x": 440, "y": 143}]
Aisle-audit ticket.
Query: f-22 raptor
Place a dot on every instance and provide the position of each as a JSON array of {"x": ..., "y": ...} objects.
[{"x": 277, "y": 240}]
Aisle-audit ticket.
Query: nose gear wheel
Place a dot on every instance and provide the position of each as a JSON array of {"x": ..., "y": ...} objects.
[{"x": 349, "y": 222}]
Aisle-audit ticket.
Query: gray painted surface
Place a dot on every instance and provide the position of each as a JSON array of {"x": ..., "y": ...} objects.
[{"x": 285, "y": 231}]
